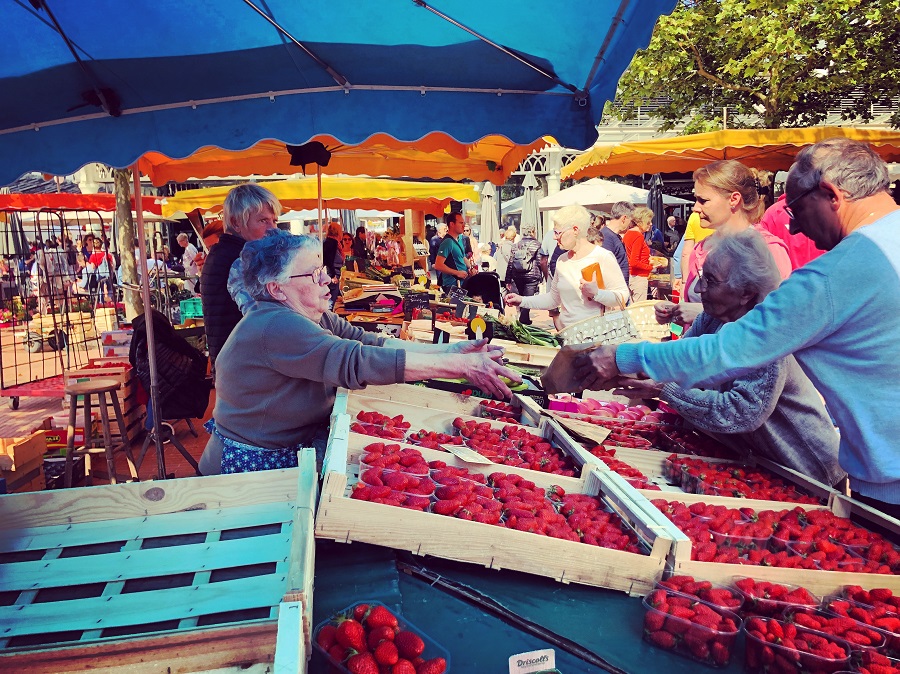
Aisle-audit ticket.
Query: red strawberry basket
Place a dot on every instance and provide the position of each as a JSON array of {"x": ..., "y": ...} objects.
[
  {"x": 879, "y": 619},
  {"x": 355, "y": 638},
  {"x": 763, "y": 598},
  {"x": 774, "y": 646},
  {"x": 861, "y": 637},
  {"x": 726, "y": 598},
  {"x": 690, "y": 627}
]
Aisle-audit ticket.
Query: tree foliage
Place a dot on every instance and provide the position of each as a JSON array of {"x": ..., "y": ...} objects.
[{"x": 787, "y": 62}]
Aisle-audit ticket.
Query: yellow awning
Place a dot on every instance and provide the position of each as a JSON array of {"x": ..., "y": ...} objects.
[
  {"x": 337, "y": 192},
  {"x": 436, "y": 155},
  {"x": 770, "y": 149}
]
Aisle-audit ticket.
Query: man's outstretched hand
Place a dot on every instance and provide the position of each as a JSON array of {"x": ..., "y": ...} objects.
[{"x": 597, "y": 369}]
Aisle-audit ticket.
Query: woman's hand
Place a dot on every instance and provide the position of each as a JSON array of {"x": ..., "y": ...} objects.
[
  {"x": 512, "y": 299},
  {"x": 589, "y": 290},
  {"x": 636, "y": 388},
  {"x": 683, "y": 313}
]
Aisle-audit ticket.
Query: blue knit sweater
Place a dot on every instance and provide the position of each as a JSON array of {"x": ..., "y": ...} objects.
[{"x": 840, "y": 317}]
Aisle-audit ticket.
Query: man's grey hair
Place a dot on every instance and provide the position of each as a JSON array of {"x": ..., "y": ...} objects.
[
  {"x": 442, "y": 229},
  {"x": 528, "y": 229},
  {"x": 244, "y": 200},
  {"x": 621, "y": 208},
  {"x": 852, "y": 166},
  {"x": 573, "y": 216},
  {"x": 752, "y": 267},
  {"x": 182, "y": 237},
  {"x": 268, "y": 259}
]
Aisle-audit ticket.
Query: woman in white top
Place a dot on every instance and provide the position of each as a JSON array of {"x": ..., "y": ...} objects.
[{"x": 576, "y": 298}]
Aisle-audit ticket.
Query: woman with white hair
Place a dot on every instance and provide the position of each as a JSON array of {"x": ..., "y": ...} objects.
[
  {"x": 774, "y": 411},
  {"x": 504, "y": 250},
  {"x": 277, "y": 375},
  {"x": 188, "y": 261},
  {"x": 577, "y": 298}
]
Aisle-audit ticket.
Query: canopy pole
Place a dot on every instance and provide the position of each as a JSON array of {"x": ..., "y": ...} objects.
[
  {"x": 148, "y": 320},
  {"x": 319, "y": 199}
]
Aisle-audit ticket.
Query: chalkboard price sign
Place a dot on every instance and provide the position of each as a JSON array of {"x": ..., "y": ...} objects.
[
  {"x": 414, "y": 301},
  {"x": 456, "y": 295}
]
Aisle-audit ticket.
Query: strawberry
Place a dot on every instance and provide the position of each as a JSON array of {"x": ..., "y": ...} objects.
[
  {"x": 662, "y": 639},
  {"x": 362, "y": 663},
  {"x": 359, "y": 612},
  {"x": 433, "y": 666},
  {"x": 326, "y": 637},
  {"x": 654, "y": 621},
  {"x": 379, "y": 616},
  {"x": 409, "y": 645},
  {"x": 386, "y": 653},
  {"x": 720, "y": 654},
  {"x": 403, "y": 666},
  {"x": 380, "y": 634},
  {"x": 351, "y": 634}
]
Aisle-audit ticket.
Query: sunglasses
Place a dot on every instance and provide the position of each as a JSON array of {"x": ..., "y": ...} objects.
[{"x": 318, "y": 275}]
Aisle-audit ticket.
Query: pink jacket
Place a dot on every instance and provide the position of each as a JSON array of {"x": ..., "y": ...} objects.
[{"x": 800, "y": 247}]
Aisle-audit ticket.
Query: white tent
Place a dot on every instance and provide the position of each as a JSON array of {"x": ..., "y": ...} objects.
[
  {"x": 512, "y": 207},
  {"x": 598, "y": 193}
]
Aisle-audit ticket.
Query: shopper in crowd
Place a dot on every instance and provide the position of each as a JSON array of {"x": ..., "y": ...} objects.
[
  {"x": 487, "y": 262},
  {"x": 285, "y": 359},
  {"x": 359, "y": 244},
  {"x": 638, "y": 251},
  {"x": 595, "y": 231},
  {"x": 473, "y": 251},
  {"x": 575, "y": 297},
  {"x": 451, "y": 262},
  {"x": 728, "y": 201},
  {"x": 189, "y": 261},
  {"x": 504, "y": 251},
  {"x": 773, "y": 411},
  {"x": 435, "y": 242},
  {"x": 800, "y": 247},
  {"x": 249, "y": 212},
  {"x": 617, "y": 224},
  {"x": 523, "y": 274},
  {"x": 333, "y": 258},
  {"x": 843, "y": 333}
]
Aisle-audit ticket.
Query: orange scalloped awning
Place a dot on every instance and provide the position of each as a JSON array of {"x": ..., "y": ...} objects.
[
  {"x": 769, "y": 149},
  {"x": 436, "y": 155},
  {"x": 67, "y": 201}
]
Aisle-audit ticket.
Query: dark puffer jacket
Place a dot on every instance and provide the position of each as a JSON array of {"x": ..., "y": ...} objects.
[
  {"x": 220, "y": 313},
  {"x": 528, "y": 248}
]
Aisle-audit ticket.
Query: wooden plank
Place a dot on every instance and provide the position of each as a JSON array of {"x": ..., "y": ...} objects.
[
  {"x": 136, "y": 563},
  {"x": 756, "y": 504},
  {"x": 291, "y": 649},
  {"x": 561, "y": 439},
  {"x": 170, "y": 653},
  {"x": 113, "y": 502},
  {"x": 136, "y": 609},
  {"x": 843, "y": 506},
  {"x": 172, "y": 524}
]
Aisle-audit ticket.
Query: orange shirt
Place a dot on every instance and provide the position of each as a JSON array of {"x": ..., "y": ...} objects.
[{"x": 638, "y": 252}]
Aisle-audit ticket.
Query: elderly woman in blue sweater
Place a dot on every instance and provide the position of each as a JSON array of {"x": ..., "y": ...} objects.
[
  {"x": 774, "y": 411},
  {"x": 277, "y": 375}
]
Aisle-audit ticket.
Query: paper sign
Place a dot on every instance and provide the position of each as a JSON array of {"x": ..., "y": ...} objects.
[
  {"x": 405, "y": 283},
  {"x": 585, "y": 429},
  {"x": 466, "y": 454},
  {"x": 533, "y": 662}
]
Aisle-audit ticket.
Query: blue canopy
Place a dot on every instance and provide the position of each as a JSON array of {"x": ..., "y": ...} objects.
[{"x": 107, "y": 80}]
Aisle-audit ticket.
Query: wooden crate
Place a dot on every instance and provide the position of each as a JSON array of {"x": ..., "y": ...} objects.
[
  {"x": 442, "y": 422},
  {"x": 818, "y": 582},
  {"x": 16, "y": 453},
  {"x": 445, "y": 401},
  {"x": 171, "y": 576},
  {"x": 345, "y": 520}
]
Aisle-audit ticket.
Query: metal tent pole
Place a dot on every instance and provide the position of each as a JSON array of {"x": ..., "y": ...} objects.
[
  {"x": 148, "y": 319},
  {"x": 319, "y": 185}
]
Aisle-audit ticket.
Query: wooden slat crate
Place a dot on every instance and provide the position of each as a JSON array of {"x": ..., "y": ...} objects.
[
  {"x": 439, "y": 421},
  {"x": 344, "y": 519},
  {"x": 818, "y": 582},
  {"x": 172, "y": 576},
  {"x": 445, "y": 401},
  {"x": 22, "y": 462}
]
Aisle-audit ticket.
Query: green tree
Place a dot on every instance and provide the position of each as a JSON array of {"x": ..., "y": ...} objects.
[{"x": 786, "y": 61}]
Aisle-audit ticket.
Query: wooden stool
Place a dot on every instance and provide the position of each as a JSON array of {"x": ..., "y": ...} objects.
[{"x": 100, "y": 388}]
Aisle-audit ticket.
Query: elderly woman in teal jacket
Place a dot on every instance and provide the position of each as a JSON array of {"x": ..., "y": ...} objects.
[
  {"x": 277, "y": 375},
  {"x": 774, "y": 411}
]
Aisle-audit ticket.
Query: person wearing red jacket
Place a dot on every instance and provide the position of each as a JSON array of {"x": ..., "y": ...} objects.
[{"x": 638, "y": 251}]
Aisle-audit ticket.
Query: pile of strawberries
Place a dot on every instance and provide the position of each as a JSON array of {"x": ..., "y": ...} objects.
[
  {"x": 499, "y": 410},
  {"x": 785, "y": 648},
  {"x": 796, "y": 538},
  {"x": 880, "y": 597},
  {"x": 697, "y": 476},
  {"x": 380, "y": 425},
  {"x": 632, "y": 475},
  {"x": 499, "y": 499},
  {"x": 882, "y": 619},
  {"x": 369, "y": 639},
  {"x": 763, "y": 598},
  {"x": 432, "y": 440},
  {"x": 876, "y": 663},
  {"x": 514, "y": 446},
  {"x": 855, "y": 633},
  {"x": 721, "y": 597},
  {"x": 689, "y": 626},
  {"x": 684, "y": 441}
]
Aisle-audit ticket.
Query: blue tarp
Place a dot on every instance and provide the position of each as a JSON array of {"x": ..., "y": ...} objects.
[{"x": 180, "y": 74}]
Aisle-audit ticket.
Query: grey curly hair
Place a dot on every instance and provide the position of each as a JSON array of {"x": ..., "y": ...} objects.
[
  {"x": 267, "y": 259},
  {"x": 752, "y": 267}
]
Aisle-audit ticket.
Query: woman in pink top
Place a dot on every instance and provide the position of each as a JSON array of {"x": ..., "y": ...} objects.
[{"x": 728, "y": 202}]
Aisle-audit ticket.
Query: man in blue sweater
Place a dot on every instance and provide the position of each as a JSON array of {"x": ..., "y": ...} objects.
[{"x": 839, "y": 315}]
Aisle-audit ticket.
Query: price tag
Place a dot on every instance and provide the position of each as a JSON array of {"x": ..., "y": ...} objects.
[
  {"x": 478, "y": 326},
  {"x": 414, "y": 301},
  {"x": 405, "y": 283},
  {"x": 456, "y": 295},
  {"x": 466, "y": 454}
]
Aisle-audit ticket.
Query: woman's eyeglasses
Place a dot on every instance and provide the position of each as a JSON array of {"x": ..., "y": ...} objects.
[
  {"x": 318, "y": 275},
  {"x": 710, "y": 280}
]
